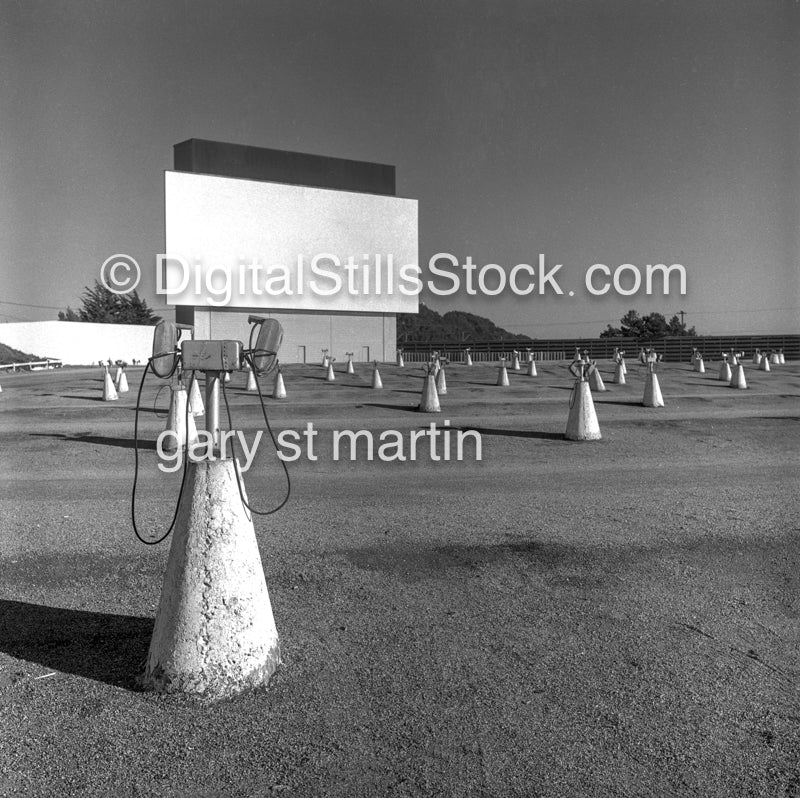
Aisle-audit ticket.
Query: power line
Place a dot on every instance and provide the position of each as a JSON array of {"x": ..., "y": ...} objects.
[
  {"x": 741, "y": 310},
  {"x": 26, "y": 305}
]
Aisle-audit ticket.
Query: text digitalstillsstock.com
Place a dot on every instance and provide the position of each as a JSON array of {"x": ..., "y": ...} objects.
[
  {"x": 389, "y": 446},
  {"x": 326, "y": 275}
]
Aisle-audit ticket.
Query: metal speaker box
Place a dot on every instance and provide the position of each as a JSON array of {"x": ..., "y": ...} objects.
[{"x": 211, "y": 355}]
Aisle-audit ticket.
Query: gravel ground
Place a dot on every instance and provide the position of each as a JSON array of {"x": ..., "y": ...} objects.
[{"x": 614, "y": 618}]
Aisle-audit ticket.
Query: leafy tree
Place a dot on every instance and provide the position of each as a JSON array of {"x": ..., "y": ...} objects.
[
  {"x": 68, "y": 315},
  {"x": 649, "y": 327},
  {"x": 100, "y": 305},
  {"x": 676, "y": 327}
]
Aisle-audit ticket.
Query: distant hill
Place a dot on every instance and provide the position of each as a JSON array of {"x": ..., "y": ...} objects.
[
  {"x": 10, "y": 355},
  {"x": 454, "y": 327}
]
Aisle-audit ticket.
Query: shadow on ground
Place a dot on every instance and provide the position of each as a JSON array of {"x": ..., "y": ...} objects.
[
  {"x": 106, "y": 648},
  {"x": 514, "y": 433},
  {"x": 124, "y": 443},
  {"x": 408, "y": 408}
]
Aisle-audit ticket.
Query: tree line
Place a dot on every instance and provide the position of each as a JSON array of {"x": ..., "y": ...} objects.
[
  {"x": 102, "y": 306},
  {"x": 649, "y": 327}
]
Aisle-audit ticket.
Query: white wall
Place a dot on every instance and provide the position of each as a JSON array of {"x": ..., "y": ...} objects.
[{"x": 79, "y": 343}]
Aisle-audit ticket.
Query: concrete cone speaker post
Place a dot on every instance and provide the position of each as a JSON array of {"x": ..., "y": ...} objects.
[
  {"x": 279, "y": 388},
  {"x": 122, "y": 381},
  {"x": 179, "y": 421},
  {"x": 502, "y": 376},
  {"x": 738, "y": 379},
  {"x": 441, "y": 382},
  {"x": 652, "y": 390},
  {"x": 377, "y": 383},
  {"x": 196, "y": 406},
  {"x": 214, "y": 634},
  {"x": 582, "y": 424},
  {"x": 429, "y": 401},
  {"x": 109, "y": 391},
  {"x": 595, "y": 379}
]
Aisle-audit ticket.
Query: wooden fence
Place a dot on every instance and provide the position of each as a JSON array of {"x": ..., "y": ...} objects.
[
  {"x": 673, "y": 349},
  {"x": 33, "y": 365}
]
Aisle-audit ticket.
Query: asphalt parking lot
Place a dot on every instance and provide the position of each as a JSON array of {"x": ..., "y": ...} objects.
[{"x": 610, "y": 618}]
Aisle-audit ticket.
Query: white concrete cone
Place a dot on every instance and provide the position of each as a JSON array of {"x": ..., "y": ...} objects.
[
  {"x": 117, "y": 377},
  {"x": 624, "y": 367},
  {"x": 756, "y": 358},
  {"x": 781, "y": 359},
  {"x": 531, "y": 368},
  {"x": 122, "y": 386},
  {"x": 582, "y": 422},
  {"x": 468, "y": 359},
  {"x": 436, "y": 367},
  {"x": 350, "y": 369},
  {"x": 179, "y": 422},
  {"x": 377, "y": 383},
  {"x": 429, "y": 402},
  {"x": 252, "y": 386},
  {"x": 652, "y": 391},
  {"x": 330, "y": 376},
  {"x": 619, "y": 374},
  {"x": 700, "y": 366},
  {"x": 724, "y": 372},
  {"x": 227, "y": 377},
  {"x": 400, "y": 362},
  {"x": 109, "y": 391},
  {"x": 764, "y": 364},
  {"x": 196, "y": 406},
  {"x": 1, "y": 389},
  {"x": 325, "y": 362},
  {"x": 441, "y": 383},
  {"x": 278, "y": 388},
  {"x": 502, "y": 377},
  {"x": 214, "y": 633},
  {"x": 596, "y": 381},
  {"x": 738, "y": 379},
  {"x": 774, "y": 360},
  {"x": 515, "y": 364}
]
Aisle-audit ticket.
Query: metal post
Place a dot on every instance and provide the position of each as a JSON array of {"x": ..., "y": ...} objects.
[{"x": 212, "y": 405}]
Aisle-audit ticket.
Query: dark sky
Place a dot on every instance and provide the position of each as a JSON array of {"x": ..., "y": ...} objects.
[{"x": 615, "y": 132}]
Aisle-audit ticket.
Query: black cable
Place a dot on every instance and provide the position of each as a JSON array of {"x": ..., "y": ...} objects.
[
  {"x": 253, "y": 328},
  {"x": 249, "y": 507},
  {"x": 136, "y": 466},
  {"x": 573, "y": 393}
]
